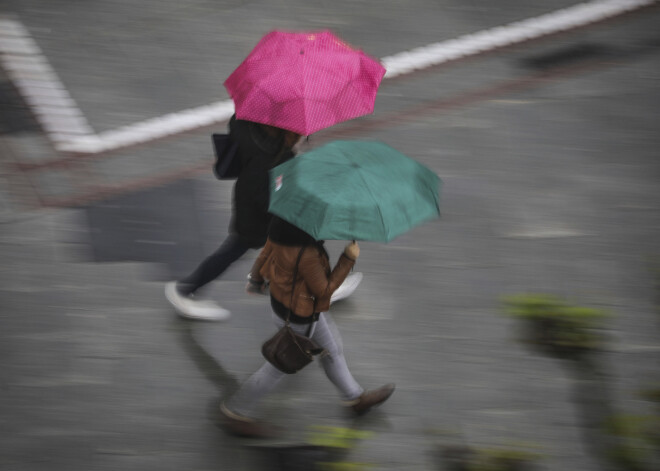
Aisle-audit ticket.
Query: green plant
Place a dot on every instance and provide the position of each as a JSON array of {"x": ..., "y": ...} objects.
[
  {"x": 651, "y": 394},
  {"x": 341, "y": 440},
  {"x": 336, "y": 437},
  {"x": 636, "y": 439},
  {"x": 624, "y": 442},
  {"x": 502, "y": 460},
  {"x": 464, "y": 458},
  {"x": 556, "y": 327}
]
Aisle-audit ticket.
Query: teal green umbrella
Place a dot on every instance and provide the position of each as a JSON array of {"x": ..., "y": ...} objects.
[{"x": 358, "y": 190}]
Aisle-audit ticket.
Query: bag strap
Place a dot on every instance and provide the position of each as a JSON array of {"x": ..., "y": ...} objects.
[{"x": 293, "y": 286}]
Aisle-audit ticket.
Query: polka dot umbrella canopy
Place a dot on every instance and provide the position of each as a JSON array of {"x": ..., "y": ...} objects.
[{"x": 304, "y": 82}]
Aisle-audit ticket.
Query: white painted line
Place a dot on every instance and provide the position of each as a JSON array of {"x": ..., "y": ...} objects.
[
  {"x": 12, "y": 28},
  {"x": 42, "y": 102},
  {"x": 73, "y": 129},
  {"x": 36, "y": 81},
  {"x": 546, "y": 233},
  {"x": 44, "y": 75},
  {"x": 54, "y": 113},
  {"x": 490, "y": 39},
  {"x": 59, "y": 138},
  {"x": 158, "y": 127},
  {"x": 18, "y": 45},
  {"x": 63, "y": 124},
  {"x": 41, "y": 88},
  {"x": 25, "y": 66},
  {"x": 47, "y": 93},
  {"x": 84, "y": 145}
]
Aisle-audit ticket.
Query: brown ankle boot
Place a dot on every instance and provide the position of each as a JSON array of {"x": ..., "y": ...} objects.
[
  {"x": 370, "y": 399},
  {"x": 245, "y": 427}
]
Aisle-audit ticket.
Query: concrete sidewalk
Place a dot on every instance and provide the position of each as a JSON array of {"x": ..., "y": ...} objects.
[{"x": 100, "y": 374}]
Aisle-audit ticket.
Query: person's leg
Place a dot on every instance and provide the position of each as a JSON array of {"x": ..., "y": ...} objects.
[
  {"x": 242, "y": 404},
  {"x": 266, "y": 378},
  {"x": 262, "y": 382},
  {"x": 179, "y": 294},
  {"x": 334, "y": 362},
  {"x": 233, "y": 248}
]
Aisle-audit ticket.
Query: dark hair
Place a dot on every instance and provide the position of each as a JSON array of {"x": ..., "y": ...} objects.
[
  {"x": 285, "y": 140},
  {"x": 284, "y": 233}
]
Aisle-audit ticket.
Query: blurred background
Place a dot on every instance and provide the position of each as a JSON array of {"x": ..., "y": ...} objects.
[{"x": 548, "y": 155}]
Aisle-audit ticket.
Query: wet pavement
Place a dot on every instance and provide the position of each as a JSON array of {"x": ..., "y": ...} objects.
[{"x": 548, "y": 154}]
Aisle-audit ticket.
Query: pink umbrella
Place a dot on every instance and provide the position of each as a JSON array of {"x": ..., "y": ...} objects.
[{"x": 304, "y": 82}]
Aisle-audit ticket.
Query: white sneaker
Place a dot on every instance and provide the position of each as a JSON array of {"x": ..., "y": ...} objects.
[
  {"x": 349, "y": 285},
  {"x": 192, "y": 309}
]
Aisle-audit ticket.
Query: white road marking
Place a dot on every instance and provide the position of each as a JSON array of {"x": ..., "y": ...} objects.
[
  {"x": 69, "y": 131},
  {"x": 37, "y": 82},
  {"x": 544, "y": 232}
]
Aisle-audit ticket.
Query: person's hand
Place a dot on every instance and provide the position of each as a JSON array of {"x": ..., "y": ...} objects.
[
  {"x": 352, "y": 250},
  {"x": 256, "y": 287}
]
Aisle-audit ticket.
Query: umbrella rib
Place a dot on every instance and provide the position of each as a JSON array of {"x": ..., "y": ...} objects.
[{"x": 380, "y": 213}]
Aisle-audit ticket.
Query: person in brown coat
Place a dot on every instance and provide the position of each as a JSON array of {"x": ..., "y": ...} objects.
[{"x": 306, "y": 301}]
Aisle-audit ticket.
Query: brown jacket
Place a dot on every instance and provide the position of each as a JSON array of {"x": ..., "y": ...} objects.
[{"x": 315, "y": 282}]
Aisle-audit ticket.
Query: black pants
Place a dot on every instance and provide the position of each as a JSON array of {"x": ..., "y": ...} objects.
[{"x": 214, "y": 265}]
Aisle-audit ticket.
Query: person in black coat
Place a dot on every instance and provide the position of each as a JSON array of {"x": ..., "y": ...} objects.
[{"x": 260, "y": 148}]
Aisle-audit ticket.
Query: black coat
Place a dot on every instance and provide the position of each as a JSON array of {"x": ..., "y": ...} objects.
[{"x": 258, "y": 152}]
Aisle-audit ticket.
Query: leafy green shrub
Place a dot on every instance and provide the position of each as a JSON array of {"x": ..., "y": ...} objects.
[
  {"x": 637, "y": 439},
  {"x": 464, "y": 458},
  {"x": 556, "y": 327}
]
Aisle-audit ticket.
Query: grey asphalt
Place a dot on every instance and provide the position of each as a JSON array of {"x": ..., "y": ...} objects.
[{"x": 549, "y": 157}]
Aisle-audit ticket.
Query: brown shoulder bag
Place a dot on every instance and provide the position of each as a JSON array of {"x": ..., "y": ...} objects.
[{"x": 287, "y": 350}]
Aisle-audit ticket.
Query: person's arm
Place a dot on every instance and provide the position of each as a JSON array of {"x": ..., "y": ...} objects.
[
  {"x": 320, "y": 285},
  {"x": 256, "y": 282}
]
